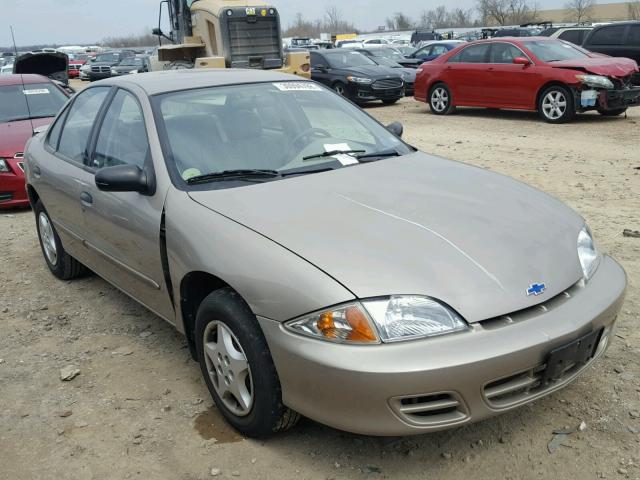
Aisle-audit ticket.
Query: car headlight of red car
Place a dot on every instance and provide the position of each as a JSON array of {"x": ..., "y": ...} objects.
[
  {"x": 4, "y": 167},
  {"x": 595, "y": 81}
]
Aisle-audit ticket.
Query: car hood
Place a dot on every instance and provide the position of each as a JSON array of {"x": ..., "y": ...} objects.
[
  {"x": 373, "y": 71},
  {"x": 418, "y": 224},
  {"x": 608, "y": 66},
  {"x": 52, "y": 65},
  {"x": 14, "y": 135}
]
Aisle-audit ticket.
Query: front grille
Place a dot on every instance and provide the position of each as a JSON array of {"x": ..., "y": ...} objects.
[
  {"x": 526, "y": 385},
  {"x": 101, "y": 69},
  {"x": 21, "y": 166},
  {"x": 434, "y": 409},
  {"x": 19, "y": 155},
  {"x": 387, "y": 83},
  {"x": 74, "y": 67},
  {"x": 6, "y": 196},
  {"x": 255, "y": 43}
]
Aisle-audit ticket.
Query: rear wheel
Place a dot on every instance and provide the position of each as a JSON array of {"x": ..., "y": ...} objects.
[
  {"x": 612, "y": 113},
  {"x": 440, "y": 100},
  {"x": 556, "y": 105},
  {"x": 61, "y": 264},
  {"x": 238, "y": 368}
]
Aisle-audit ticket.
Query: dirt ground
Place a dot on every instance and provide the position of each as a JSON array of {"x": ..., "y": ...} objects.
[{"x": 139, "y": 408}]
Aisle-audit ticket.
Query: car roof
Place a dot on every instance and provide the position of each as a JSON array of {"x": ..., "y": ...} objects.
[
  {"x": 19, "y": 79},
  {"x": 173, "y": 80}
]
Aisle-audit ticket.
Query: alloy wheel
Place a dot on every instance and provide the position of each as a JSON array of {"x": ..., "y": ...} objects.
[
  {"x": 48, "y": 238},
  {"x": 228, "y": 368},
  {"x": 440, "y": 99},
  {"x": 340, "y": 90},
  {"x": 554, "y": 105}
]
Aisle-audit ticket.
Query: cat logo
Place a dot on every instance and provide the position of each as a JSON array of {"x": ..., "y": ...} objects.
[{"x": 251, "y": 10}]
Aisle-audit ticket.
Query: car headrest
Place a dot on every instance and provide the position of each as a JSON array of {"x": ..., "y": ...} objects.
[{"x": 242, "y": 124}]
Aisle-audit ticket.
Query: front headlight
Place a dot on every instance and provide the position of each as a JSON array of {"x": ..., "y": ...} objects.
[
  {"x": 362, "y": 80},
  {"x": 597, "y": 81},
  {"x": 407, "y": 317},
  {"x": 114, "y": 71},
  {"x": 4, "y": 168},
  {"x": 387, "y": 319},
  {"x": 587, "y": 253}
]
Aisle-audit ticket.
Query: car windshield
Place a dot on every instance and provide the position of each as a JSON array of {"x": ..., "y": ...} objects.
[
  {"x": 385, "y": 62},
  {"x": 406, "y": 50},
  {"x": 131, "y": 62},
  {"x": 281, "y": 128},
  {"x": 44, "y": 100},
  {"x": 107, "y": 57},
  {"x": 348, "y": 59},
  {"x": 554, "y": 50},
  {"x": 390, "y": 53}
]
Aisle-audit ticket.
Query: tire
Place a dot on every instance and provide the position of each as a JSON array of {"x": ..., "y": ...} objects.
[
  {"x": 440, "y": 100},
  {"x": 341, "y": 89},
  {"x": 556, "y": 105},
  {"x": 612, "y": 113},
  {"x": 61, "y": 264},
  {"x": 237, "y": 359},
  {"x": 390, "y": 102}
]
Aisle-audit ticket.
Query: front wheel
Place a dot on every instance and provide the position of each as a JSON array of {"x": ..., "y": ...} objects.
[
  {"x": 612, "y": 113},
  {"x": 341, "y": 89},
  {"x": 390, "y": 102},
  {"x": 440, "y": 100},
  {"x": 238, "y": 368},
  {"x": 556, "y": 105}
]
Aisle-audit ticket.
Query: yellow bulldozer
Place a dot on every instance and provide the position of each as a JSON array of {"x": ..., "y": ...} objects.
[{"x": 226, "y": 34}]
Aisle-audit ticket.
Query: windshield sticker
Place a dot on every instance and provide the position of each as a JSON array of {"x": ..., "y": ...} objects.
[
  {"x": 343, "y": 158},
  {"x": 36, "y": 91},
  {"x": 297, "y": 87}
]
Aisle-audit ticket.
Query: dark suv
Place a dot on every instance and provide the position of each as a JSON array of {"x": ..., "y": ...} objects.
[
  {"x": 102, "y": 64},
  {"x": 617, "y": 40}
]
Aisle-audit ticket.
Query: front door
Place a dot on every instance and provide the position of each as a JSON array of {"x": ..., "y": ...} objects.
[
  {"x": 123, "y": 228},
  {"x": 510, "y": 85}
]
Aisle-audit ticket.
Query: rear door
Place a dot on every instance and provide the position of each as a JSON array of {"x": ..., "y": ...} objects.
[
  {"x": 60, "y": 175},
  {"x": 123, "y": 228},
  {"x": 632, "y": 43},
  {"x": 467, "y": 75},
  {"x": 608, "y": 40}
]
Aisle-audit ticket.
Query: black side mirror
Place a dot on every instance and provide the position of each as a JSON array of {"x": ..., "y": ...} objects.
[
  {"x": 396, "y": 128},
  {"x": 157, "y": 32},
  {"x": 124, "y": 178}
]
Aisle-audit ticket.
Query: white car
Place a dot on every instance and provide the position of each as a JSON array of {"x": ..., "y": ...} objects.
[
  {"x": 7, "y": 69},
  {"x": 575, "y": 35}
]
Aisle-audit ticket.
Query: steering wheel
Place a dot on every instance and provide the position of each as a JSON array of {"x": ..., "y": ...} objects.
[{"x": 319, "y": 132}]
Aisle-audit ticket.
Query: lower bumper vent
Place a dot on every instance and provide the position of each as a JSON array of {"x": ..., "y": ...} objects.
[{"x": 436, "y": 409}]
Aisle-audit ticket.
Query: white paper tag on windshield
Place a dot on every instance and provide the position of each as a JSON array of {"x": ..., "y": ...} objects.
[
  {"x": 297, "y": 87},
  {"x": 343, "y": 158},
  {"x": 36, "y": 91}
]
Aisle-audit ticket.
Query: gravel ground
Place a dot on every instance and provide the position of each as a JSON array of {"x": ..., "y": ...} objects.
[{"x": 139, "y": 409}]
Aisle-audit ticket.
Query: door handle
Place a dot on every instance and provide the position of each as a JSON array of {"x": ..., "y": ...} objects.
[
  {"x": 86, "y": 199},
  {"x": 36, "y": 171}
]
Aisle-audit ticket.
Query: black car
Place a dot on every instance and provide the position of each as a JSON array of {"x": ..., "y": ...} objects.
[
  {"x": 102, "y": 64},
  {"x": 616, "y": 40},
  {"x": 424, "y": 35},
  {"x": 408, "y": 74},
  {"x": 355, "y": 76}
]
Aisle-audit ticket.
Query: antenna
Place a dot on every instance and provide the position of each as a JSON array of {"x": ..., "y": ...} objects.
[{"x": 24, "y": 88}]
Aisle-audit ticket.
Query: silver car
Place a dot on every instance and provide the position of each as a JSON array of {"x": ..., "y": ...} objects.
[{"x": 317, "y": 264}]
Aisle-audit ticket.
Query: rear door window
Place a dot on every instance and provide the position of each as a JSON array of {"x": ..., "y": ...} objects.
[
  {"x": 76, "y": 131},
  {"x": 472, "y": 54},
  {"x": 633, "y": 38},
  {"x": 573, "y": 36},
  {"x": 608, "y": 35}
]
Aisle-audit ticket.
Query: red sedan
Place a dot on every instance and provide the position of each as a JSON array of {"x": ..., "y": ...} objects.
[
  {"x": 556, "y": 78},
  {"x": 26, "y": 103}
]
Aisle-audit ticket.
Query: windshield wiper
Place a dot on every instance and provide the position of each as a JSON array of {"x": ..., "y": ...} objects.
[
  {"x": 233, "y": 174},
  {"x": 368, "y": 157},
  {"x": 331, "y": 153}
]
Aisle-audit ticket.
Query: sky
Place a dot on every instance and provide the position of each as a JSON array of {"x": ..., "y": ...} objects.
[{"x": 89, "y": 21}]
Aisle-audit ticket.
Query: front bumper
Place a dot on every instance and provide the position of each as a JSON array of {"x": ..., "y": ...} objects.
[
  {"x": 421, "y": 386},
  {"x": 366, "y": 93},
  {"x": 93, "y": 76},
  {"x": 616, "y": 99}
]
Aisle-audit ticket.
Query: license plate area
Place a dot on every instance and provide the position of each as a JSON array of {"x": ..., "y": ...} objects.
[{"x": 571, "y": 356}]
